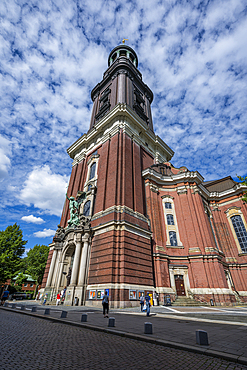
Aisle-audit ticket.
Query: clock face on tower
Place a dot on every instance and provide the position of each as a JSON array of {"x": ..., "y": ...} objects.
[{"x": 86, "y": 209}]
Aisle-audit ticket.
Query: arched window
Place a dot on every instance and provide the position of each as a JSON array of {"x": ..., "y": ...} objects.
[
  {"x": 92, "y": 171},
  {"x": 168, "y": 205},
  {"x": 86, "y": 209},
  {"x": 170, "y": 219},
  {"x": 240, "y": 232},
  {"x": 173, "y": 238}
]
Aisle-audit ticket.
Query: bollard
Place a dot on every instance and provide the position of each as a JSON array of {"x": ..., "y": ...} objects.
[
  {"x": 111, "y": 322},
  {"x": 47, "y": 311},
  {"x": 84, "y": 317},
  {"x": 13, "y": 305},
  {"x": 63, "y": 314},
  {"x": 202, "y": 337},
  {"x": 23, "y": 307},
  {"x": 34, "y": 309},
  {"x": 148, "y": 328}
]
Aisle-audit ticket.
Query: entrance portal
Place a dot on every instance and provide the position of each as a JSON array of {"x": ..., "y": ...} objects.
[{"x": 179, "y": 282}]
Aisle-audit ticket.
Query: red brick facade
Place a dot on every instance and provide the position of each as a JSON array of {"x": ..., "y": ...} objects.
[{"x": 153, "y": 227}]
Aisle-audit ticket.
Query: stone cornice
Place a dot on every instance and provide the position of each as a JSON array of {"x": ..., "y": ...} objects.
[
  {"x": 189, "y": 176},
  {"x": 160, "y": 179},
  {"x": 121, "y": 117},
  {"x": 120, "y": 209},
  {"x": 121, "y": 226}
]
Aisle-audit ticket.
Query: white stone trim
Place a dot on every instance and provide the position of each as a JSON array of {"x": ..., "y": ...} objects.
[
  {"x": 190, "y": 176},
  {"x": 168, "y": 211},
  {"x": 121, "y": 225},
  {"x": 183, "y": 270},
  {"x": 235, "y": 211},
  {"x": 120, "y": 209},
  {"x": 211, "y": 291},
  {"x": 242, "y": 292},
  {"x": 120, "y": 286},
  {"x": 121, "y": 117}
]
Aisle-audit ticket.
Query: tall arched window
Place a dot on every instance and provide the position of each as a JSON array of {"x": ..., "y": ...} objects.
[
  {"x": 168, "y": 205},
  {"x": 240, "y": 231},
  {"x": 86, "y": 209},
  {"x": 173, "y": 238},
  {"x": 170, "y": 219},
  {"x": 92, "y": 171}
]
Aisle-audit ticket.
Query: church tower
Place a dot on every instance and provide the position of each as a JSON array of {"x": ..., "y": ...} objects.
[{"x": 104, "y": 238}]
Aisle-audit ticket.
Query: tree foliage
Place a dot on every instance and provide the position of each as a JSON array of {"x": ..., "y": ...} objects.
[
  {"x": 12, "y": 247},
  {"x": 244, "y": 182},
  {"x": 21, "y": 279},
  {"x": 36, "y": 262}
]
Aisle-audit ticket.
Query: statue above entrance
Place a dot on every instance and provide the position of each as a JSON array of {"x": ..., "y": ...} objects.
[{"x": 74, "y": 208}]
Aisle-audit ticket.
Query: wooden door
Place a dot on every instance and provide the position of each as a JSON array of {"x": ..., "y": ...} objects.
[{"x": 179, "y": 282}]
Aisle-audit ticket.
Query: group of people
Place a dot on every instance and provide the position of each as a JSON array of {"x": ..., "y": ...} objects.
[{"x": 61, "y": 296}]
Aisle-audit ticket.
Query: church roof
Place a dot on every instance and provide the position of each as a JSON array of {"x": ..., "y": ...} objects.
[{"x": 219, "y": 185}]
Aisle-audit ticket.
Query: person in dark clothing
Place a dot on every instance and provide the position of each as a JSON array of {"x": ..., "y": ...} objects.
[
  {"x": 4, "y": 297},
  {"x": 105, "y": 303}
]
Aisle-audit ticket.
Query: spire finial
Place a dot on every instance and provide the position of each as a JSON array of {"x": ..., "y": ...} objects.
[{"x": 123, "y": 41}]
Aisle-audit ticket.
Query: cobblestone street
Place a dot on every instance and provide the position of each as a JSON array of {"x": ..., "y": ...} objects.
[{"x": 32, "y": 343}]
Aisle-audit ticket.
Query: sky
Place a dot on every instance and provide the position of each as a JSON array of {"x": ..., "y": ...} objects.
[{"x": 192, "y": 54}]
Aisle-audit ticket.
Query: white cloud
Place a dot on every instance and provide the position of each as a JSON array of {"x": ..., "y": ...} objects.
[
  {"x": 45, "y": 233},
  {"x": 45, "y": 190},
  {"x": 33, "y": 219},
  {"x": 193, "y": 56},
  {"x": 4, "y": 157}
]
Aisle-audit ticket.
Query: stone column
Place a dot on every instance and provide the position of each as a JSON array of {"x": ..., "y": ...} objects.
[
  {"x": 51, "y": 270},
  {"x": 59, "y": 272},
  {"x": 83, "y": 265},
  {"x": 56, "y": 269},
  {"x": 76, "y": 263}
]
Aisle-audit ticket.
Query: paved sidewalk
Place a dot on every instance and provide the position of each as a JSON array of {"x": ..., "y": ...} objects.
[
  {"x": 227, "y": 340},
  {"x": 31, "y": 343}
]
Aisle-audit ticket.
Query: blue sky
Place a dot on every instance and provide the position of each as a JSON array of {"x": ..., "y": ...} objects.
[{"x": 192, "y": 54}]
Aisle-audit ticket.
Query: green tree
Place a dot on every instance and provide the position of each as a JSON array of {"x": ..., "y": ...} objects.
[
  {"x": 36, "y": 262},
  {"x": 244, "y": 182},
  {"x": 12, "y": 247},
  {"x": 21, "y": 279}
]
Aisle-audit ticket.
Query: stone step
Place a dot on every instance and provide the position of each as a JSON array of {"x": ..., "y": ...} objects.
[{"x": 183, "y": 301}]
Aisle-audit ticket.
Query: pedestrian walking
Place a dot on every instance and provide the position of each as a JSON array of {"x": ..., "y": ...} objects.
[
  {"x": 58, "y": 299},
  {"x": 142, "y": 301},
  {"x": 45, "y": 299},
  {"x": 148, "y": 304},
  {"x": 63, "y": 293},
  {"x": 4, "y": 297},
  {"x": 105, "y": 303}
]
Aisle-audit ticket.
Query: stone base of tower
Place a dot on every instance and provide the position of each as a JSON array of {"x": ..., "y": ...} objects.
[
  {"x": 74, "y": 296},
  {"x": 119, "y": 297}
]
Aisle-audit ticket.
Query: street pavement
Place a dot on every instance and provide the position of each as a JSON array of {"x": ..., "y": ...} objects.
[
  {"x": 29, "y": 342},
  {"x": 172, "y": 327}
]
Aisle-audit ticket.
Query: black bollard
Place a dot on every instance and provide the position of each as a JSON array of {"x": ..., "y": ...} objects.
[
  {"x": 202, "y": 337},
  {"x": 84, "y": 317},
  {"x": 47, "y": 311},
  {"x": 63, "y": 314},
  {"x": 148, "y": 328},
  {"x": 111, "y": 322}
]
